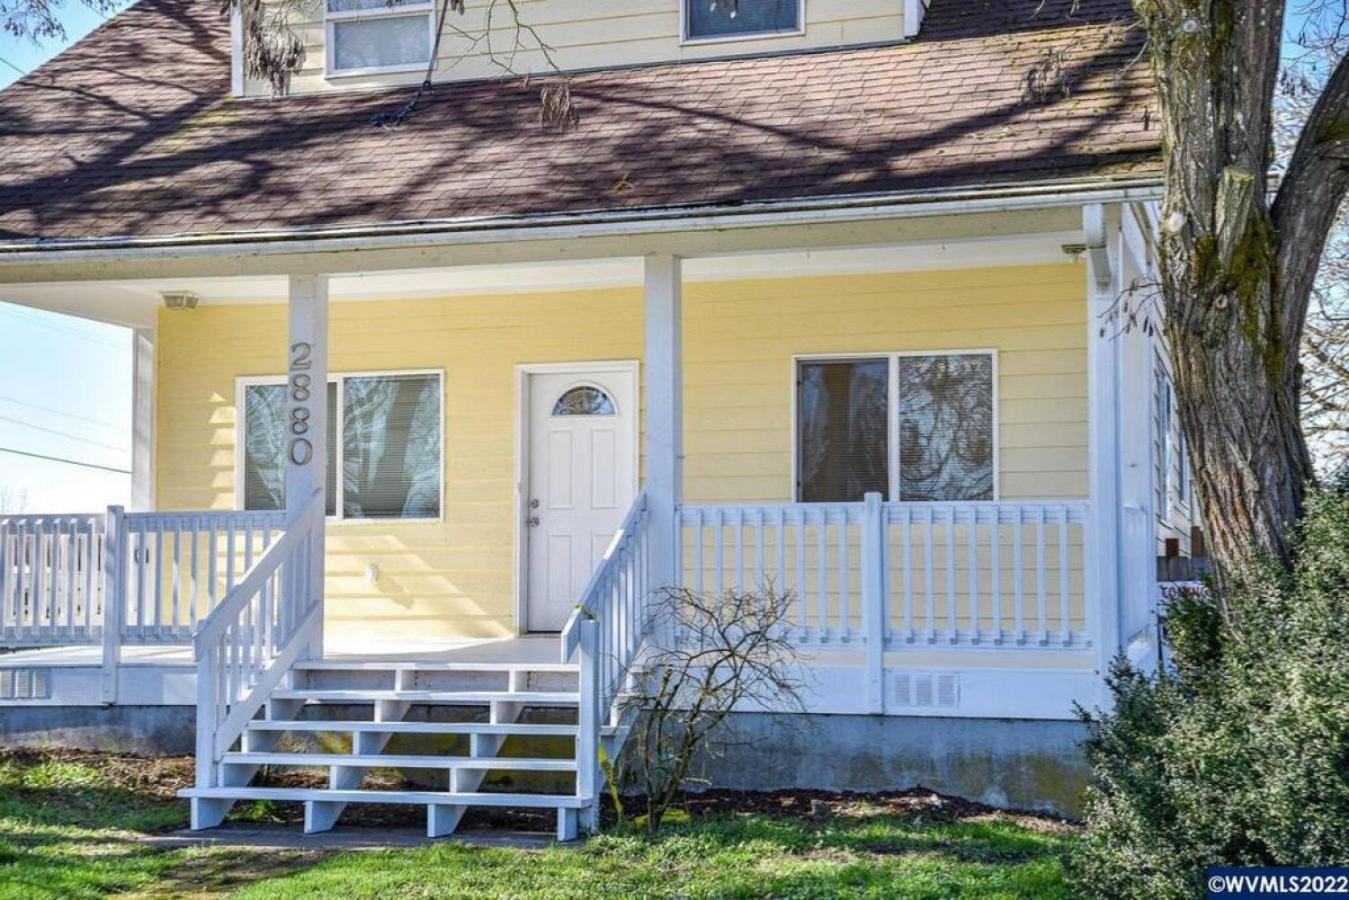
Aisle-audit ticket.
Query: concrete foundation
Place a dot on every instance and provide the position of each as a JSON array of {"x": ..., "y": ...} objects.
[
  {"x": 147, "y": 730},
  {"x": 1008, "y": 763}
]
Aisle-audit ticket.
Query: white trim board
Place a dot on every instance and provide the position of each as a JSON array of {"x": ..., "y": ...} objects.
[{"x": 523, "y": 371}]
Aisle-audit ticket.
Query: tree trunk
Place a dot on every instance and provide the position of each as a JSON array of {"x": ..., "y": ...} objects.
[
  {"x": 1236, "y": 273},
  {"x": 1239, "y": 408}
]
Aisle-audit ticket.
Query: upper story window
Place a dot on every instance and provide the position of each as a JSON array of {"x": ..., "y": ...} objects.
[
  {"x": 712, "y": 19},
  {"x": 912, "y": 427},
  {"x": 378, "y": 35}
]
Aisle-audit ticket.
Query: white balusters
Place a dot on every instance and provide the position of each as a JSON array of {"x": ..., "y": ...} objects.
[
  {"x": 49, "y": 589},
  {"x": 165, "y": 580},
  {"x": 252, "y": 638},
  {"x": 966, "y": 574}
]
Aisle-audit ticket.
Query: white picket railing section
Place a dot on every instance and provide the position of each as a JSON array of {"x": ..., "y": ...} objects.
[
  {"x": 250, "y": 641},
  {"x": 969, "y": 574},
  {"x": 118, "y": 578},
  {"x": 605, "y": 634},
  {"x": 180, "y": 565},
  {"x": 51, "y": 579}
]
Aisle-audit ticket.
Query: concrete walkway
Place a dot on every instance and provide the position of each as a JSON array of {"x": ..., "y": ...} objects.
[{"x": 290, "y": 837}]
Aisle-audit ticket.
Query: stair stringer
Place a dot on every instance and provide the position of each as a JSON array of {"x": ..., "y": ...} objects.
[{"x": 322, "y": 815}]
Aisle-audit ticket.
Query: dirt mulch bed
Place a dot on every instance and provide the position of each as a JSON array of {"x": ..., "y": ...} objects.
[
  {"x": 916, "y": 803},
  {"x": 160, "y": 778}
]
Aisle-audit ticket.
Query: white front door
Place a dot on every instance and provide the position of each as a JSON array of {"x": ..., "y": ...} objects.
[{"x": 582, "y": 439}]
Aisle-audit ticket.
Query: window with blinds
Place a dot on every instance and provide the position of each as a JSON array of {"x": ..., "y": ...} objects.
[
  {"x": 390, "y": 447},
  {"x": 939, "y": 406},
  {"x": 843, "y": 430},
  {"x": 704, "y": 19},
  {"x": 378, "y": 35}
]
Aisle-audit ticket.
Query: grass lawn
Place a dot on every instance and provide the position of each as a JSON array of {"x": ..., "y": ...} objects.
[{"x": 72, "y": 825}]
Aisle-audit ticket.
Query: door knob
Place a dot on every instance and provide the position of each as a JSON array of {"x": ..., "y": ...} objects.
[
  {"x": 534, "y": 504},
  {"x": 533, "y": 521}
]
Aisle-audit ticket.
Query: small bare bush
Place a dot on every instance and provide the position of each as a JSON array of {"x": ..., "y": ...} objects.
[{"x": 727, "y": 652}]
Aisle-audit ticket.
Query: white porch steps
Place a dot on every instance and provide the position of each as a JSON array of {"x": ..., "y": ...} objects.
[{"x": 324, "y": 699}]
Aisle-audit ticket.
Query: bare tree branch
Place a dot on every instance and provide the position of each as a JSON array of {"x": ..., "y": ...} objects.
[{"x": 1311, "y": 193}]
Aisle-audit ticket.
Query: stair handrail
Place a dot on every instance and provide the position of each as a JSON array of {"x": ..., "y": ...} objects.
[
  {"x": 252, "y": 638},
  {"x": 592, "y": 605},
  {"x": 605, "y": 633}
]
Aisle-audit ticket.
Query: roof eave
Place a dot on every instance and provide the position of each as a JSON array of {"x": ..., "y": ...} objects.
[{"x": 799, "y": 210}]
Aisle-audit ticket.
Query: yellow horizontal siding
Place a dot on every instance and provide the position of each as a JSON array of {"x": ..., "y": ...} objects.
[
  {"x": 455, "y": 578},
  {"x": 740, "y": 338},
  {"x": 452, "y": 578}
]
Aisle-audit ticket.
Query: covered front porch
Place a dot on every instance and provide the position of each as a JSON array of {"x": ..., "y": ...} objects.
[{"x": 1026, "y": 578}]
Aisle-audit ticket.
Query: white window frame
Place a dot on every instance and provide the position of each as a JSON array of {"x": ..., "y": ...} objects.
[
  {"x": 892, "y": 357},
  {"x": 687, "y": 41},
  {"x": 242, "y": 383},
  {"x": 1184, "y": 486},
  {"x": 1164, "y": 445},
  {"x": 406, "y": 11}
]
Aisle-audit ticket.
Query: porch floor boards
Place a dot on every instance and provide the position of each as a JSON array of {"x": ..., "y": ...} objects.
[{"x": 534, "y": 652}]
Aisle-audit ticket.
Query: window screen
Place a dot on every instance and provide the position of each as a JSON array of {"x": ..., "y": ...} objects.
[
  {"x": 842, "y": 414},
  {"x": 946, "y": 427},
  {"x": 391, "y": 446},
  {"x": 724, "y": 18}
]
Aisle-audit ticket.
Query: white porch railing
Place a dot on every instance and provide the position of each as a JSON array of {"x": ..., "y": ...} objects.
[
  {"x": 250, "y": 641},
  {"x": 139, "y": 578},
  {"x": 974, "y": 574},
  {"x": 605, "y": 634},
  {"x": 180, "y": 565},
  {"x": 51, "y": 579}
]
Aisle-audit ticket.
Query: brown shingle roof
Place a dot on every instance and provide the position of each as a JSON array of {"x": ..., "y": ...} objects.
[{"x": 131, "y": 132}]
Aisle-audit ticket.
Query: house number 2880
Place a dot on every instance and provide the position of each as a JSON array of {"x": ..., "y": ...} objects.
[{"x": 299, "y": 388}]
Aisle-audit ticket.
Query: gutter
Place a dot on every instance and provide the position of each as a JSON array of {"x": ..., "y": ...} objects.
[{"x": 599, "y": 223}]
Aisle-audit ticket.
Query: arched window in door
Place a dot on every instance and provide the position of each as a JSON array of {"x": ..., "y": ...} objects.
[{"x": 586, "y": 400}]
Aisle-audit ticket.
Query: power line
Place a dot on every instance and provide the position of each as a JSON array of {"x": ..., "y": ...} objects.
[
  {"x": 64, "y": 434},
  {"x": 58, "y": 412},
  {"x": 12, "y": 66},
  {"x": 56, "y": 326},
  {"x": 60, "y": 459}
]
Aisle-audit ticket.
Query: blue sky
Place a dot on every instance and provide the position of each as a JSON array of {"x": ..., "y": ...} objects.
[
  {"x": 65, "y": 392},
  {"x": 65, "y": 383},
  {"x": 22, "y": 55}
]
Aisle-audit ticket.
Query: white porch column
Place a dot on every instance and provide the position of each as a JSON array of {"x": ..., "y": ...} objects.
[
  {"x": 307, "y": 408},
  {"x": 1138, "y": 548},
  {"x": 663, "y": 379},
  {"x": 143, "y": 419},
  {"x": 1102, "y": 559}
]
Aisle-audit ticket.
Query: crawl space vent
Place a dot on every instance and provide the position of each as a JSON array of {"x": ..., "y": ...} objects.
[{"x": 926, "y": 690}]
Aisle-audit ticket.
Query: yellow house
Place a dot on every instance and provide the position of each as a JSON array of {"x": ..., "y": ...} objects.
[{"x": 433, "y": 402}]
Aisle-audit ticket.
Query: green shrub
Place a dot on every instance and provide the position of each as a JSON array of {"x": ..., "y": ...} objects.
[{"x": 1240, "y": 754}]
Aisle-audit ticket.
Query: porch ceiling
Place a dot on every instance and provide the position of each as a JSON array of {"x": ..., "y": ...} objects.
[{"x": 135, "y": 302}]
